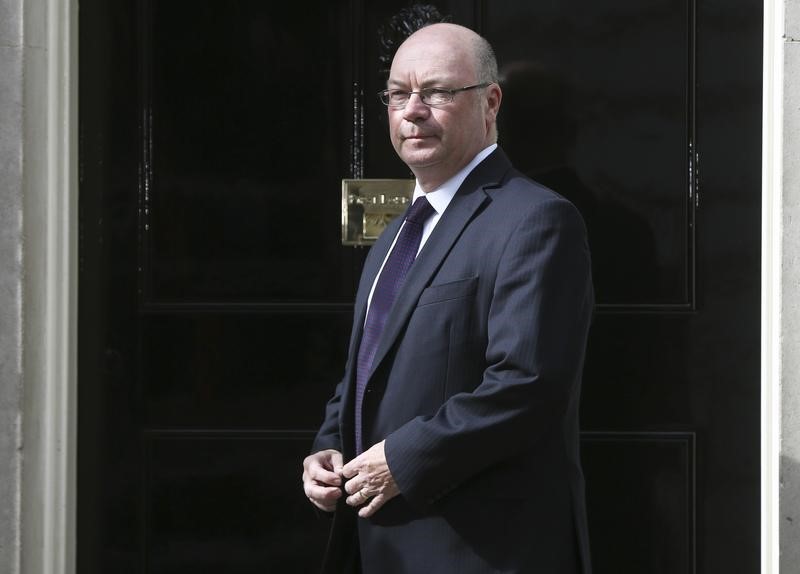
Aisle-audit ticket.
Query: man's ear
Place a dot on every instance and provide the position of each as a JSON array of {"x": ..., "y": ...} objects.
[{"x": 494, "y": 95}]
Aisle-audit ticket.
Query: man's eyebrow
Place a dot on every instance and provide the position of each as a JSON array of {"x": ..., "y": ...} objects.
[{"x": 432, "y": 83}]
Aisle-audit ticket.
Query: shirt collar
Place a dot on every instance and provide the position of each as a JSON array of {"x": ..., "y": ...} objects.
[{"x": 440, "y": 197}]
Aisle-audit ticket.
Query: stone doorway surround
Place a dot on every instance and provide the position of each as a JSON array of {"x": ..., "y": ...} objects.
[
  {"x": 38, "y": 272},
  {"x": 38, "y": 293},
  {"x": 780, "y": 325}
]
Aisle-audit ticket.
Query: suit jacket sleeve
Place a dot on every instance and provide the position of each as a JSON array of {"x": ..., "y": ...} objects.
[
  {"x": 537, "y": 327},
  {"x": 328, "y": 435}
]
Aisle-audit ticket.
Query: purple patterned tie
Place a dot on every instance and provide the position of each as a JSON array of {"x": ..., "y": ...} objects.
[{"x": 389, "y": 283}]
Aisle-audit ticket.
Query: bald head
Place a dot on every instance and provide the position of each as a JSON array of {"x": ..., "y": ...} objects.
[
  {"x": 436, "y": 139},
  {"x": 481, "y": 53}
]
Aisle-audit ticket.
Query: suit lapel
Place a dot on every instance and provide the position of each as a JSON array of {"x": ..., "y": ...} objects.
[{"x": 468, "y": 200}]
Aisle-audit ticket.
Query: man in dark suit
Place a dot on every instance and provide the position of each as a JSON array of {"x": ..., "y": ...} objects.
[{"x": 451, "y": 444}]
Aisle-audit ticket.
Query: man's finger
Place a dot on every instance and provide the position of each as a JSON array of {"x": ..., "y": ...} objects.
[
  {"x": 324, "y": 476},
  {"x": 359, "y": 498},
  {"x": 372, "y": 507},
  {"x": 351, "y": 468},
  {"x": 353, "y": 485},
  {"x": 315, "y": 470},
  {"x": 323, "y": 497},
  {"x": 337, "y": 460},
  {"x": 316, "y": 490}
]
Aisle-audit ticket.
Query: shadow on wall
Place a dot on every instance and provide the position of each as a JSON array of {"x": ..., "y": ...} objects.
[
  {"x": 537, "y": 127},
  {"x": 790, "y": 510}
]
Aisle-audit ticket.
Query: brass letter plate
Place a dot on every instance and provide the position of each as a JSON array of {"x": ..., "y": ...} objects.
[{"x": 368, "y": 205}]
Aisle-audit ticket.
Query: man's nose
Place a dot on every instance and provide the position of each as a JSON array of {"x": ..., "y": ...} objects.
[{"x": 415, "y": 108}]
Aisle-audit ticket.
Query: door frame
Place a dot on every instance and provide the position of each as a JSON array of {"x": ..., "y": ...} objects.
[
  {"x": 49, "y": 502},
  {"x": 772, "y": 318}
]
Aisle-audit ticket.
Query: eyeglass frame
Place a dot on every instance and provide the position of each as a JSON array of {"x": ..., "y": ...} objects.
[{"x": 425, "y": 93}]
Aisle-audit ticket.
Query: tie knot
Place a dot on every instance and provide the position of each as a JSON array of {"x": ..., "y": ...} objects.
[{"x": 420, "y": 211}]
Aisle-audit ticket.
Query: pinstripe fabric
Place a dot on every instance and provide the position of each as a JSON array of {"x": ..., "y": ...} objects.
[{"x": 389, "y": 283}]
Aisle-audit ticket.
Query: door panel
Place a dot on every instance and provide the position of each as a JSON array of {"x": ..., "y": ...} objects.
[
  {"x": 599, "y": 105},
  {"x": 238, "y": 370},
  {"x": 227, "y": 502},
  {"x": 245, "y": 113},
  {"x": 216, "y": 298},
  {"x": 641, "y": 500}
]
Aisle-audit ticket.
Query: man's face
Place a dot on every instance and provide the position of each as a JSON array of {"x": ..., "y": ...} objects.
[{"x": 436, "y": 142}]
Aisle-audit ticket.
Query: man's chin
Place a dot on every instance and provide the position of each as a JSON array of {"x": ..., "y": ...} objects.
[{"x": 417, "y": 158}]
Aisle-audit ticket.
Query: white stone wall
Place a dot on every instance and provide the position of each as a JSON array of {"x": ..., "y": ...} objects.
[
  {"x": 38, "y": 267},
  {"x": 11, "y": 275},
  {"x": 790, "y": 288}
]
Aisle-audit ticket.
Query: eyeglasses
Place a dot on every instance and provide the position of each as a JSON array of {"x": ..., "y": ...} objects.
[{"x": 429, "y": 96}]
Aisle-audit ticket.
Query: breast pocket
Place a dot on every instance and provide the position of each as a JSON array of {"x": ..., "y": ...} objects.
[{"x": 458, "y": 289}]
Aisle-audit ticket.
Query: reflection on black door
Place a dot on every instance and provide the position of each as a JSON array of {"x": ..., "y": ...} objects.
[{"x": 215, "y": 297}]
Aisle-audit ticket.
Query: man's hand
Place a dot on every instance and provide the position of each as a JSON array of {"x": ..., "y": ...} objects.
[
  {"x": 322, "y": 480},
  {"x": 368, "y": 477}
]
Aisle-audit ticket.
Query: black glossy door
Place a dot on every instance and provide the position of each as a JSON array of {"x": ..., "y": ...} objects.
[{"x": 215, "y": 297}]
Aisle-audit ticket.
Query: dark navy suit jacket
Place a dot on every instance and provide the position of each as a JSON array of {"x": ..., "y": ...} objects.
[{"x": 475, "y": 388}]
